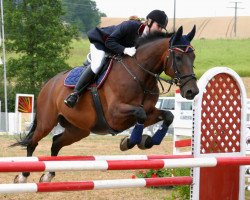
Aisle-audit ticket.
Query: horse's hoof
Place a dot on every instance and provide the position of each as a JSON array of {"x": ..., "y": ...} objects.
[
  {"x": 46, "y": 177},
  {"x": 20, "y": 179},
  {"x": 146, "y": 142},
  {"x": 125, "y": 145}
]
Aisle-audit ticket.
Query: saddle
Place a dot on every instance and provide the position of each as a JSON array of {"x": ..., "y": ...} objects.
[
  {"x": 75, "y": 73},
  {"x": 71, "y": 80}
]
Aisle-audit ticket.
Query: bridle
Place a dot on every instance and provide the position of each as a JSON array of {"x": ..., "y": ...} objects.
[
  {"x": 178, "y": 77},
  {"x": 177, "y": 80}
]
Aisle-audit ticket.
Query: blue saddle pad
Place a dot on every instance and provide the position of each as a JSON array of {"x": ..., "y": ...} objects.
[
  {"x": 75, "y": 73},
  {"x": 73, "y": 76}
]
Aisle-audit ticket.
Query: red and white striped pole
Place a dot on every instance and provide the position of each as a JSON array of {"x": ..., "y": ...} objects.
[
  {"x": 93, "y": 185},
  {"x": 50, "y": 166},
  {"x": 97, "y": 157}
]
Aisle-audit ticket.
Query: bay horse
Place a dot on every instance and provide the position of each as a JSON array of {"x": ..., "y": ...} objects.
[{"x": 128, "y": 98}]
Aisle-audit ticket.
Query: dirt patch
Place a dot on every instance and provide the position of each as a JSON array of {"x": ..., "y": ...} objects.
[
  {"x": 207, "y": 28},
  {"x": 246, "y": 81}
]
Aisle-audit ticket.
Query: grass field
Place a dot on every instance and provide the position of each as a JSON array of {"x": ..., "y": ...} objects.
[
  {"x": 209, "y": 53},
  {"x": 229, "y": 53}
]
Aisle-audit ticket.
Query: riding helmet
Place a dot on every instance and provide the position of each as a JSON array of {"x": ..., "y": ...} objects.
[{"x": 159, "y": 16}]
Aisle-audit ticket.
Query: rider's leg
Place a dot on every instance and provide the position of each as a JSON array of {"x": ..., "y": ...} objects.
[{"x": 97, "y": 59}]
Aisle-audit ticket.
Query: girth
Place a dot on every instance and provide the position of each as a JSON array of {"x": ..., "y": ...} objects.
[{"x": 101, "y": 124}]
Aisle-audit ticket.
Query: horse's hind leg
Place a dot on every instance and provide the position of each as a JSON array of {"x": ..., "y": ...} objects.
[
  {"x": 22, "y": 178},
  {"x": 70, "y": 135},
  {"x": 38, "y": 131}
]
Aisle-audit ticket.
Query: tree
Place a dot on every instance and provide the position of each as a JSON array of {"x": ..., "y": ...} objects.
[
  {"x": 82, "y": 13},
  {"x": 36, "y": 33}
]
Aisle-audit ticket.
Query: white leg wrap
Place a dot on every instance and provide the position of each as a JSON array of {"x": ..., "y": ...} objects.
[
  {"x": 46, "y": 177},
  {"x": 20, "y": 179}
]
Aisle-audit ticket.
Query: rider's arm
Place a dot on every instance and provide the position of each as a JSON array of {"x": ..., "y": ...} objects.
[{"x": 125, "y": 30}]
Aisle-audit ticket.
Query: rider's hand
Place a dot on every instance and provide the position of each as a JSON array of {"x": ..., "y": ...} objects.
[{"x": 130, "y": 51}]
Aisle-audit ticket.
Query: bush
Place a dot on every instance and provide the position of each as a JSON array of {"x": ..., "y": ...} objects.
[
  {"x": 179, "y": 192},
  {"x": 153, "y": 173}
]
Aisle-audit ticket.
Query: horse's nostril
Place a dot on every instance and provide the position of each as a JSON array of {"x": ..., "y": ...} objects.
[{"x": 190, "y": 94}]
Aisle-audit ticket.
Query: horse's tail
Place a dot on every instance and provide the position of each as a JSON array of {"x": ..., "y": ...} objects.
[{"x": 26, "y": 140}]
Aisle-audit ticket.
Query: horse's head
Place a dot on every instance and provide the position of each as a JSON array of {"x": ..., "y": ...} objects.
[{"x": 181, "y": 59}]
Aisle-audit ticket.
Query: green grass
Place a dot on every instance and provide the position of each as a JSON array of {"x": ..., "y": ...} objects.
[
  {"x": 230, "y": 53},
  {"x": 78, "y": 53},
  {"x": 209, "y": 53}
]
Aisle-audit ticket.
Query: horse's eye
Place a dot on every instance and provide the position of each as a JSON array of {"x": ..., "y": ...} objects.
[{"x": 178, "y": 58}]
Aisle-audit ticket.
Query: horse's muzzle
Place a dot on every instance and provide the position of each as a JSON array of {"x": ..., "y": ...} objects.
[{"x": 191, "y": 93}]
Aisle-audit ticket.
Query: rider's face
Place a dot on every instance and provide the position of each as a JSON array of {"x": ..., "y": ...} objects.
[{"x": 156, "y": 27}]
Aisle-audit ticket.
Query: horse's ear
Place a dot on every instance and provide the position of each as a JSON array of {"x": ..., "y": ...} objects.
[
  {"x": 190, "y": 36},
  {"x": 177, "y": 35}
]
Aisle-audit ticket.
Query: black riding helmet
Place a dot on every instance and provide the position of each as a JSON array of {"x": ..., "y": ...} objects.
[{"x": 158, "y": 16}]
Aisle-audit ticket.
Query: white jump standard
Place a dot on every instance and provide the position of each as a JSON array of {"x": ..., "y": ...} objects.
[{"x": 218, "y": 131}]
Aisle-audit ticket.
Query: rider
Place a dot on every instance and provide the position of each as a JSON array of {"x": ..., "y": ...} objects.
[{"x": 116, "y": 40}]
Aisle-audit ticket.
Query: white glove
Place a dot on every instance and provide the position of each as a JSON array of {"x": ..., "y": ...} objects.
[{"x": 130, "y": 51}]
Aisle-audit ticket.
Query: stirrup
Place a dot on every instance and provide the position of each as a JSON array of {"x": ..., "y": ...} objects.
[{"x": 71, "y": 100}]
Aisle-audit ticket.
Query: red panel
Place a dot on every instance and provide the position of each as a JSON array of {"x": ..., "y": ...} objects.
[
  {"x": 183, "y": 143},
  {"x": 219, "y": 183},
  {"x": 221, "y": 116}
]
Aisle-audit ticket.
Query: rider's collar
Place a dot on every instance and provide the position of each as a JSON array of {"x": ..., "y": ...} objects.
[{"x": 141, "y": 29}]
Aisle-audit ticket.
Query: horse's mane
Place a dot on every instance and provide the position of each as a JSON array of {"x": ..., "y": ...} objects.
[{"x": 152, "y": 37}]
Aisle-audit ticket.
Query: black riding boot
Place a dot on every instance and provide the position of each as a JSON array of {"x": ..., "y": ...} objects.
[{"x": 82, "y": 83}]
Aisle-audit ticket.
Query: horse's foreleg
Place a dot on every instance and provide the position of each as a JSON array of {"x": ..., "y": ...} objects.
[
  {"x": 136, "y": 135},
  {"x": 168, "y": 118},
  {"x": 156, "y": 116}
]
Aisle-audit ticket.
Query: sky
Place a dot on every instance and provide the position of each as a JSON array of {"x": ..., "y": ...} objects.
[{"x": 184, "y": 8}]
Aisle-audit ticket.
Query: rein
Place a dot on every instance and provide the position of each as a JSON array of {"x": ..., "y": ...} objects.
[
  {"x": 156, "y": 76},
  {"x": 176, "y": 80}
]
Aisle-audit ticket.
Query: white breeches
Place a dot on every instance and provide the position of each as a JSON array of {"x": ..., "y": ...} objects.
[{"x": 97, "y": 57}]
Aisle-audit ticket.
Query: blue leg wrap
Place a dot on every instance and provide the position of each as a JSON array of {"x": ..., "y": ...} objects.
[
  {"x": 136, "y": 134},
  {"x": 159, "y": 135}
]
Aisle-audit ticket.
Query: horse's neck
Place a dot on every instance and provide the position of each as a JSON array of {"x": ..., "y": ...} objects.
[{"x": 152, "y": 55}]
